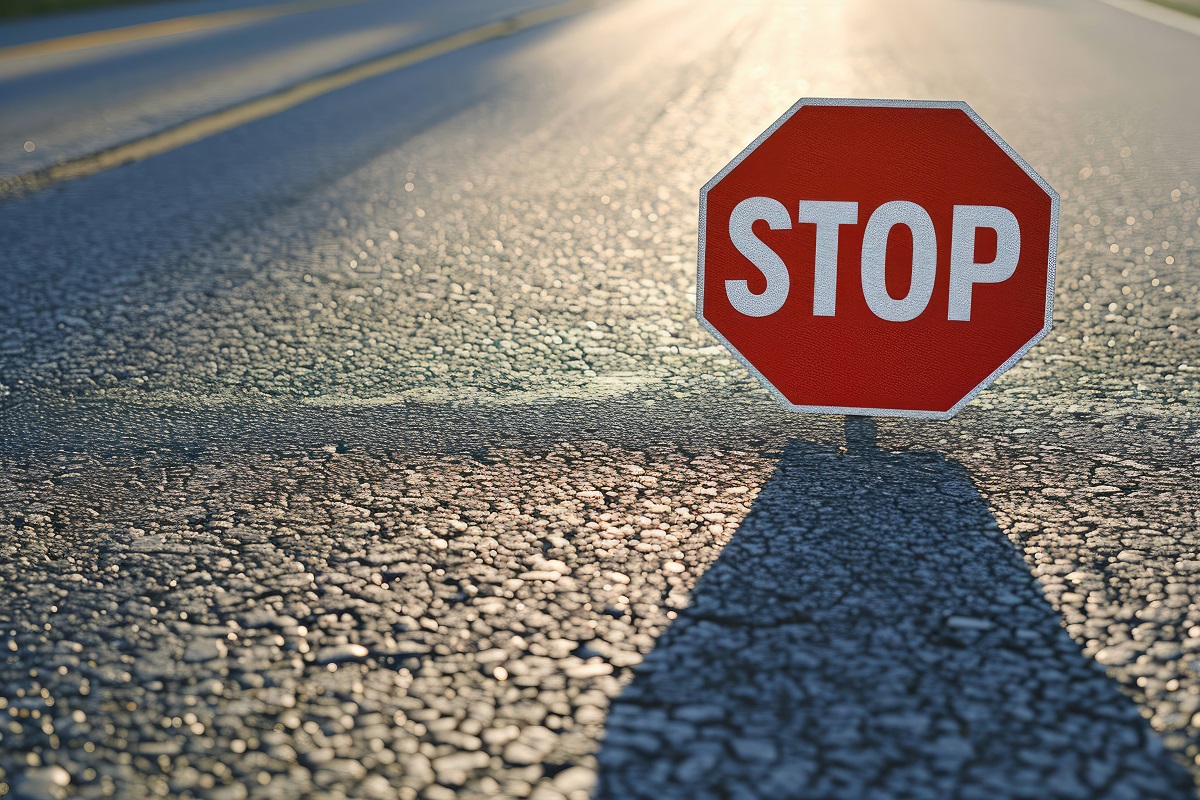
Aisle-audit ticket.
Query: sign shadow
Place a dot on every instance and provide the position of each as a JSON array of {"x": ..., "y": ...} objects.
[{"x": 870, "y": 633}]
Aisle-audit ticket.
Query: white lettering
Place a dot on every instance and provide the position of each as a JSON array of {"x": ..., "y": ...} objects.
[
  {"x": 965, "y": 272},
  {"x": 768, "y": 262},
  {"x": 828, "y": 216},
  {"x": 874, "y": 261}
]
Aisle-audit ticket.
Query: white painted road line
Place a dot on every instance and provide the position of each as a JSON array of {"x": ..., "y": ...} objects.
[{"x": 1162, "y": 14}]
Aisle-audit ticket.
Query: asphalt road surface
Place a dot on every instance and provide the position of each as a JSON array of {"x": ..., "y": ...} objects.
[{"x": 371, "y": 449}]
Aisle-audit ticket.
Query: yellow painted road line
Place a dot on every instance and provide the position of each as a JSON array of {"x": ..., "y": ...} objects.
[
  {"x": 166, "y": 27},
  {"x": 257, "y": 108}
]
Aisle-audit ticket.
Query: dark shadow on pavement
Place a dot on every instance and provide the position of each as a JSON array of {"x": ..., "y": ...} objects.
[{"x": 870, "y": 633}]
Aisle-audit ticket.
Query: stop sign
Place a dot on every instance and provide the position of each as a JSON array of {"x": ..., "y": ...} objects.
[{"x": 877, "y": 257}]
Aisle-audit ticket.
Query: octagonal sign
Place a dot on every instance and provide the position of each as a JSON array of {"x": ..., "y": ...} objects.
[{"x": 878, "y": 257}]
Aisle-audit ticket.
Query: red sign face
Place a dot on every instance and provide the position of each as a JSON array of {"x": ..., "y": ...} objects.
[{"x": 878, "y": 257}]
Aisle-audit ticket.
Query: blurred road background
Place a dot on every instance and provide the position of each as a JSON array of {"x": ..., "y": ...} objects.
[{"x": 368, "y": 446}]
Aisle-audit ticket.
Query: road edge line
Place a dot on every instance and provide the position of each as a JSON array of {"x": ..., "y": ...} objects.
[{"x": 1164, "y": 15}]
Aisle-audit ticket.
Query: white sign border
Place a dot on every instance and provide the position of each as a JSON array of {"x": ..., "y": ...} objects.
[{"x": 882, "y": 103}]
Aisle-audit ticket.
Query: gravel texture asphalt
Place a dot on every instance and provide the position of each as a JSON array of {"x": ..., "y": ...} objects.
[{"x": 373, "y": 450}]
